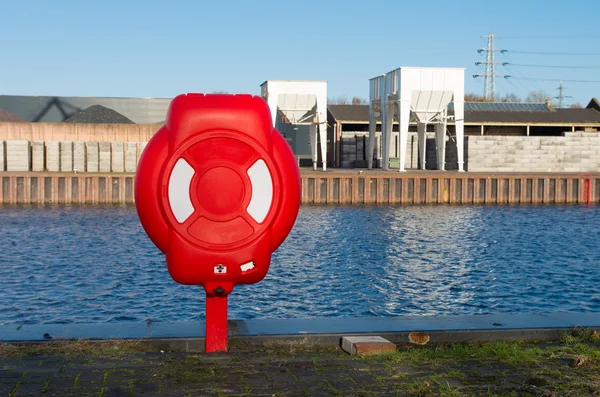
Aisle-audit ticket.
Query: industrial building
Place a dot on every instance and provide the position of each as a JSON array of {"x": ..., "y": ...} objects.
[
  {"x": 349, "y": 126},
  {"x": 299, "y": 109}
]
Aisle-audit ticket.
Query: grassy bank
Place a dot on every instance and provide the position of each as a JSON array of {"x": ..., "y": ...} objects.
[{"x": 567, "y": 367}]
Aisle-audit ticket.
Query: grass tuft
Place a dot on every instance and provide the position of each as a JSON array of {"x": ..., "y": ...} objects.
[
  {"x": 513, "y": 353},
  {"x": 580, "y": 335},
  {"x": 75, "y": 348}
]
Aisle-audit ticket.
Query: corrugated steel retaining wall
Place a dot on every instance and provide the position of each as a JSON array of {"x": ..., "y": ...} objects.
[
  {"x": 441, "y": 187},
  {"x": 329, "y": 188}
]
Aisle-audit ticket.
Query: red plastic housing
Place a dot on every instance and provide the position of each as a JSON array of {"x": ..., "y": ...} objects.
[{"x": 217, "y": 190}]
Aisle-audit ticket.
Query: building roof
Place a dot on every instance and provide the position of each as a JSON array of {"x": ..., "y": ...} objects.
[
  {"x": 506, "y": 106},
  {"x": 559, "y": 116},
  {"x": 594, "y": 104},
  {"x": 360, "y": 114},
  {"x": 349, "y": 112},
  {"x": 58, "y": 109}
]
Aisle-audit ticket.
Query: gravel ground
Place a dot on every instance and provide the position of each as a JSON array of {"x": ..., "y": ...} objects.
[{"x": 98, "y": 114}]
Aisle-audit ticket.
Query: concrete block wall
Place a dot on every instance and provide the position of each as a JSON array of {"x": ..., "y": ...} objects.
[
  {"x": 92, "y": 157},
  {"x": 534, "y": 153},
  {"x": 79, "y": 156},
  {"x": 574, "y": 152},
  {"x": 37, "y": 156},
  {"x": 140, "y": 150},
  {"x": 352, "y": 147},
  {"x": 352, "y": 144},
  {"x": 412, "y": 152},
  {"x": 69, "y": 156},
  {"x": 451, "y": 154},
  {"x": 130, "y": 156},
  {"x": 66, "y": 156},
  {"x": 581, "y": 134},
  {"x": 118, "y": 157},
  {"x": 104, "y": 154},
  {"x": 52, "y": 156},
  {"x": 17, "y": 156},
  {"x": 2, "y": 157}
]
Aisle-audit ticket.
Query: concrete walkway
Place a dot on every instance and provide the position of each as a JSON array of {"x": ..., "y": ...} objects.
[{"x": 130, "y": 369}]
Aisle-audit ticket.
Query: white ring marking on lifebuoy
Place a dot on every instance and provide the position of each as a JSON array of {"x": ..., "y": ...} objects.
[
  {"x": 179, "y": 190},
  {"x": 262, "y": 191}
]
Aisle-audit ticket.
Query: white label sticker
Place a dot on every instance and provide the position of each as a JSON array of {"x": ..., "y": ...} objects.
[{"x": 221, "y": 269}]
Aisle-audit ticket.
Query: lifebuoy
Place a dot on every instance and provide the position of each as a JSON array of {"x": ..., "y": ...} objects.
[
  {"x": 180, "y": 181},
  {"x": 217, "y": 190}
]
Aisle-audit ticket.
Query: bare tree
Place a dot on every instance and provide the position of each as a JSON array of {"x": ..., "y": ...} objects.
[
  {"x": 220, "y": 92},
  {"x": 340, "y": 100},
  {"x": 359, "y": 101},
  {"x": 475, "y": 98},
  {"x": 537, "y": 96},
  {"x": 511, "y": 97},
  {"x": 576, "y": 105}
]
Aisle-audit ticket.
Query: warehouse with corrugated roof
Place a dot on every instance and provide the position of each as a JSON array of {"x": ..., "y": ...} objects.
[{"x": 348, "y": 125}]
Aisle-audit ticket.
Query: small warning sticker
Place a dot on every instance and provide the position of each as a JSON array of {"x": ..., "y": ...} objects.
[{"x": 220, "y": 269}]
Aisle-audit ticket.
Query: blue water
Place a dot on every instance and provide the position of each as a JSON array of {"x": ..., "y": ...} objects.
[{"x": 95, "y": 264}]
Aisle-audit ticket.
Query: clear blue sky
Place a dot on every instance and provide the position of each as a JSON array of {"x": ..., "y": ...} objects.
[{"x": 151, "y": 48}]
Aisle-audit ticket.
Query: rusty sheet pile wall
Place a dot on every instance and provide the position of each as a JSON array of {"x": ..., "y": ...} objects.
[
  {"x": 330, "y": 188},
  {"x": 454, "y": 188}
]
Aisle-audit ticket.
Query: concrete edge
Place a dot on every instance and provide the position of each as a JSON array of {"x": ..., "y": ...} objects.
[
  {"x": 318, "y": 331},
  {"x": 402, "y": 339},
  {"x": 312, "y": 341}
]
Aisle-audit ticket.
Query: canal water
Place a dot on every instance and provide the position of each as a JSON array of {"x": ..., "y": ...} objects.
[{"x": 77, "y": 264}]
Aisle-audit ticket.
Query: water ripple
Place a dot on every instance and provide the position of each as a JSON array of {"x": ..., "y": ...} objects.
[{"x": 70, "y": 264}]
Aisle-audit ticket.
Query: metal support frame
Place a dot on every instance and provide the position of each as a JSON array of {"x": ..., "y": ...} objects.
[
  {"x": 272, "y": 89},
  {"x": 421, "y": 93}
]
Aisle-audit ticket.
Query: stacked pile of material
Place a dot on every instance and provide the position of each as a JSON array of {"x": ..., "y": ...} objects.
[
  {"x": 98, "y": 114},
  {"x": 9, "y": 117}
]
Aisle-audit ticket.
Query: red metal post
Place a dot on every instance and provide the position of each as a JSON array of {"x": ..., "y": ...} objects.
[
  {"x": 586, "y": 190},
  {"x": 216, "y": 324}
]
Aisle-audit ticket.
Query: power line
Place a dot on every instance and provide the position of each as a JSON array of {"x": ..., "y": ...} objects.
[
  {"x": 527, "y": 85},
  {"x": 517, "y": 86},
  {"x": 551, "y": 37},
  {"x": 549, "y": 53},
  {"x": 513, "y": 92},
  {"x": 551, "y": 66},
  {"x": 540, "y": 79}
]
